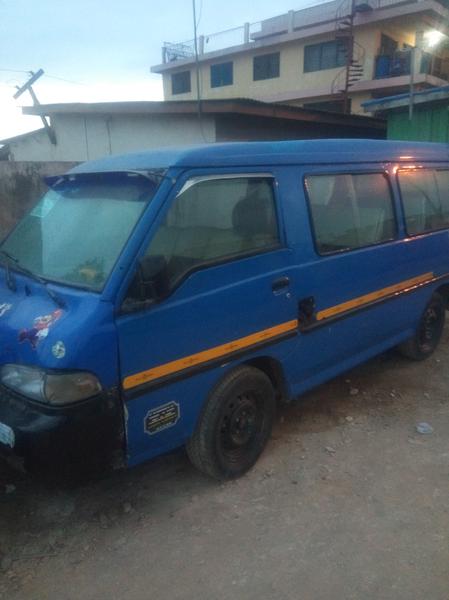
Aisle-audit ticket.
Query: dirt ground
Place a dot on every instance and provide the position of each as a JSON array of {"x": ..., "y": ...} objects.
[{"x": 347, "y": 502}]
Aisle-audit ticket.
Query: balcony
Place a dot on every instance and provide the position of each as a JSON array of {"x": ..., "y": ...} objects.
[
  {"x": 398, "y": 63},
  {"x": 314, "y": 20}
]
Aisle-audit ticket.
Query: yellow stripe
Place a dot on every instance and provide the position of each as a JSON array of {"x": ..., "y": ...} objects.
[
  {"x": 377, "y": 295},
  {"x": 207, "y": 355}
]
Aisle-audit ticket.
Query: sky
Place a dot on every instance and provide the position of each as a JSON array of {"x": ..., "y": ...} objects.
[{"x": 102, "y": 50}]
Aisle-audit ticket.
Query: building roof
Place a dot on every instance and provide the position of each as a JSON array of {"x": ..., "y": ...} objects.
[
  {"x": 241, "y": 154},
  {"x": 437, "y": 94},
  {"x": 21, "y": 136},
  {"x": 242, "y": 106}
]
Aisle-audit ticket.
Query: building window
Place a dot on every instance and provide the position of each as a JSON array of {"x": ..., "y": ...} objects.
[
  {"x": 425, "y": 198},
  {"x": 350, "y": 211},
  {"x": 266, "y": 66},
  {"x": 221, "y": 74},
  {"x": 327, "y": 55},
  {"x": 180, "y": 83}
]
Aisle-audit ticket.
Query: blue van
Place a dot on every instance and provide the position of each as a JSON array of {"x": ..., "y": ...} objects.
[{"x": 173, "y": 298}]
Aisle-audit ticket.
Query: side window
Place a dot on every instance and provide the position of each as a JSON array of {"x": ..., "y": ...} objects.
[
  {"x": 180, "y": 83},
  {"x": 425, "y": 198},
  {"x": 212, "y": 220},
  {"x": 327, "y": 55},
  {"x": 221, "y": 74},
  {"x": 350, "y": 211},
  {"x": 266, "y": 66}
]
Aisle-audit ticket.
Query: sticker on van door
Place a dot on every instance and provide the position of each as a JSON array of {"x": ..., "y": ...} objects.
[
  {"x": 40, "y": 329},
  {"x": 161, "y": 418}
]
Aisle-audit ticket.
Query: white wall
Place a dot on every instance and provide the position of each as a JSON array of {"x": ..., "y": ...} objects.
[{"x": 81, "y": 137}]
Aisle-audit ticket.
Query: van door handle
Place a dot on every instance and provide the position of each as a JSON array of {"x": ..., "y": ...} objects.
[
  {"x": 306, "y": 312},
  {"x": 279, "y": 284}
]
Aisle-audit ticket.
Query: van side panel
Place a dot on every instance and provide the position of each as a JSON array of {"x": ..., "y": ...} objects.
[
  {"x": 365, "y": 301},
  {"x": 217, "y": 314},
  {"x": 384, "y": 289}
]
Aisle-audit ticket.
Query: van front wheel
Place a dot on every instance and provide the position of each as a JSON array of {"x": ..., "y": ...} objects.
[
  {"x": 429, "y": 331},
  {"x": 235, "y": 424}
]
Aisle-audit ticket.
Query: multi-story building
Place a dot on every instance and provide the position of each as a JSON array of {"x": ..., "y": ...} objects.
[{"x": 332, "y": 56}]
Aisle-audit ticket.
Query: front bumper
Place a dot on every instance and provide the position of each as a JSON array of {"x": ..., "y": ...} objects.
[{"x": 84, "y": 435}]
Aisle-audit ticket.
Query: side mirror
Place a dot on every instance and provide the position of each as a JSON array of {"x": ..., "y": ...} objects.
[{"x": 152, "y": 277}]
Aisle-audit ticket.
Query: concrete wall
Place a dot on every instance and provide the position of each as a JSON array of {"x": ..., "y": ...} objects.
[
  {"x": 291, "y": 78},
  {"x": 81, "y": 138},
  {"x": 21, "y": 186}
]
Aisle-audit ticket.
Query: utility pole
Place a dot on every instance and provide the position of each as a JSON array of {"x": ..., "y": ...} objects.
[
  {"x": 197, "y": 63},
  {"x": 28, "y": 87},
  {"x": 412, "y": 83}
]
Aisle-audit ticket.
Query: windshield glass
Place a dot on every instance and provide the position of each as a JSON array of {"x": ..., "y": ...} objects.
[{"x": 78, "y": 229}]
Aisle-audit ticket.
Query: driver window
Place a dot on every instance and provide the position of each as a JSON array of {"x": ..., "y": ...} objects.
[{"x": 213, "y": 220}]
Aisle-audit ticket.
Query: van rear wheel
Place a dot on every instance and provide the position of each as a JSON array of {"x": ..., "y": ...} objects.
[
  {"x": 428, "y": 334},
  {"x": 235, "y": 425}
]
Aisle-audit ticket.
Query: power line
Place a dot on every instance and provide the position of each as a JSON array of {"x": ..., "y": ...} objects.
[
  {"x": 15, "y": 71},
  {"x": 66, "y": 80},
  {"x": 46, "y": 75}
]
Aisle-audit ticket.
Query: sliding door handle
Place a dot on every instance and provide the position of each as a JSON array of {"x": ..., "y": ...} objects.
[{"x": 280, "y": 284}]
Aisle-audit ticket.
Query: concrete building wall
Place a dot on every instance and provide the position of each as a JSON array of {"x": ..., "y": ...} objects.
[
  {"x": 81, "y": 138},
  {"x": 291, "y": 78},
  {"x": 293, "y": 83}
]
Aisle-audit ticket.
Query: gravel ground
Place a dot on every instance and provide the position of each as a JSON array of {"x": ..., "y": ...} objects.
[{"x": 348, "y": 501}]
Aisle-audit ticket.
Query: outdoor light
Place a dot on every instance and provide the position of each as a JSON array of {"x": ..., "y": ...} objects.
[{"x": 433, "y": 38}]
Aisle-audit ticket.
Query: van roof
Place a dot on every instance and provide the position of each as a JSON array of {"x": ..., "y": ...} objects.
[{"x": 241, "y": 154}]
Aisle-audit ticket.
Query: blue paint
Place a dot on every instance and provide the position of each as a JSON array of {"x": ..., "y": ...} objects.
[
  {"x": 241, "y": 154},
  {"x": 228, "y": 301}
]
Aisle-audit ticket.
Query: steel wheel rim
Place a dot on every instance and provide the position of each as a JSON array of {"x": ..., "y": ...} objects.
[
  {"x": 429, "y": 329},
  {"x": 240, "y": 427}
]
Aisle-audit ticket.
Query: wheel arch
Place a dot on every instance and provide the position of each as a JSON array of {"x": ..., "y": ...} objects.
[
  {"x": 443, "y": 290},
  {"x": 274, "y": 371}
]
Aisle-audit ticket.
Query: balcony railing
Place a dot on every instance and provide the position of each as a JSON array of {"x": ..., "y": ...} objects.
[
  {"x": 294, "y": 20},
  {"x": 399, "y": 63},
  {"x": 229, "y": 38}
]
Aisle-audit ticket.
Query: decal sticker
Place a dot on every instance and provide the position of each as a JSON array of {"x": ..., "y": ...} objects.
[
  {"x": 7, "y": 436},
  {"x": 45, "y": 206},
  {"x": 58, "y": 349},
  {"x": 161, "y": 418},
  {"x": 40, "y": 329},
  {"x": 4, "y": 308}
]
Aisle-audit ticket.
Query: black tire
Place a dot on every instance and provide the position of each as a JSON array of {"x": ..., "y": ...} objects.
[
  {"x": 428, "y": 334},
  {"x": 235, "y": 424}
]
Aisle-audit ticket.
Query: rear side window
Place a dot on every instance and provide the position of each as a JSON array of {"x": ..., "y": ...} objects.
[
  {"x": 425, "y": 198},
  {"x": 350, "y": 211},
  {"x": 215, "y": 220}
]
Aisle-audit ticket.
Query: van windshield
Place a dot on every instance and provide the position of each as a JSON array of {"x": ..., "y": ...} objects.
[{"x": 77, "y": 231}]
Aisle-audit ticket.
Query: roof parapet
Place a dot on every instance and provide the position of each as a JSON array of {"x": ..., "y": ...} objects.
[{"x": 249, "y": 34}]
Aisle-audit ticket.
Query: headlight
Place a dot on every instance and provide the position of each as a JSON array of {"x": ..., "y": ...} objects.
[{"x": 51, "y": 387}]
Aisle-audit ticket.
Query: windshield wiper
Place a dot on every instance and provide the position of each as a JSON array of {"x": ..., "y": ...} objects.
[{"x": 58, "y": 301}]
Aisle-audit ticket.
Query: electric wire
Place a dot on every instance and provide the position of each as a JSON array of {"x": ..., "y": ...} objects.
[{"x": 45, "y": 75}]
